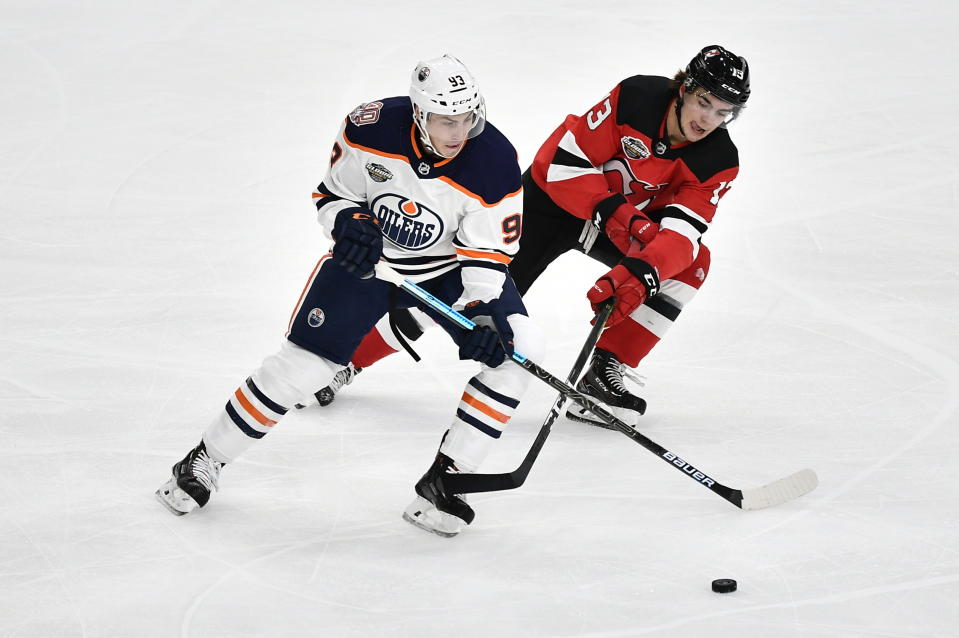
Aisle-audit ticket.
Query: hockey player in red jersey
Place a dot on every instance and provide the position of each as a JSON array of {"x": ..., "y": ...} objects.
[
  {"x": 426, "y": 184},
  {"x": 633, "y": 183}
]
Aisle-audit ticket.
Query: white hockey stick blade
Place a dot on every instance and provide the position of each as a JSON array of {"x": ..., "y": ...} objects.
[{"x": 781, "y": 491}]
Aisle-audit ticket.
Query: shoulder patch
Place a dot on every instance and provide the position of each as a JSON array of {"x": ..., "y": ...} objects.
[
  {"x": 378, "y": 172},
  {"x": 367, "y": 113},
  {"x": 382, "y": 126},
  {"x": 634, "y": 148}
]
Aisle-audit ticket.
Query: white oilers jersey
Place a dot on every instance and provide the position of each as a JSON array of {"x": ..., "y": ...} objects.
[{"x": 435, "y": 214}]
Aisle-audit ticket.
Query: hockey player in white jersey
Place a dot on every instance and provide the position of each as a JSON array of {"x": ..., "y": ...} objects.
[{"x": 426, "y": 184}]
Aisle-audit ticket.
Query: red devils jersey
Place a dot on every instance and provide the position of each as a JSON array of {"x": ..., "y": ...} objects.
[{"x": 621, "y": 148}]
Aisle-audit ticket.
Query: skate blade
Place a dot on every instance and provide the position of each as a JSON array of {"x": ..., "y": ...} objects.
[
  {"x": 423, "y": 514},
  {"x": 175, "y": 499},
  {"x": 417, "y": 523}
]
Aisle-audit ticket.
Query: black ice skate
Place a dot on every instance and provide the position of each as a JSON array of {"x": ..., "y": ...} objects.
[
  {"x": 194, "y": 479},
  {"x": 433, "y": 509},
  {"x": 604, "y": 382},
  {"x": 343, "y": 378}
]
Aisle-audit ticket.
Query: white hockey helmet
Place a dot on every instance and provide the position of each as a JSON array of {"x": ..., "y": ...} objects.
[{"x": 444, "y": 86}]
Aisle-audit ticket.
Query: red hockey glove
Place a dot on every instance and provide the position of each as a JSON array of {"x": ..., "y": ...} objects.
[
  {"x": 623, "y": 222},
  {"x": 632, "y": 282}
]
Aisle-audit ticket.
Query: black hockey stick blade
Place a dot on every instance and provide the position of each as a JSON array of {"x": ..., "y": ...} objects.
[
  {"x": 471, "y": 483},
  {"x": 776, "y": 493}
]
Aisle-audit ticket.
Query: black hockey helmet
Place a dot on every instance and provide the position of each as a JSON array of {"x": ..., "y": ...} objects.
[{"x": 720, "y": 72}]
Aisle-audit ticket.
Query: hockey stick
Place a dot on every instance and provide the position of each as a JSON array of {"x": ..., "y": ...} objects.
[
  {"x": 775, "y": 493},
  {"x": 469, "y": 483}
]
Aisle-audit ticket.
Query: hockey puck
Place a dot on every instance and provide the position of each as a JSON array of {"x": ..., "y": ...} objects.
[{"x": 724, "y": 585}]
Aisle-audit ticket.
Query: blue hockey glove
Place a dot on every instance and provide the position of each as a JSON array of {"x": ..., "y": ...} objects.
[
  {"x": 491, "y": 341},
  {"x": 359, "y": 242}
]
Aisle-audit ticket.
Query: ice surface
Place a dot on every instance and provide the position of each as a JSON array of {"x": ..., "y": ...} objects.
[{"x": 155, "y": 170}]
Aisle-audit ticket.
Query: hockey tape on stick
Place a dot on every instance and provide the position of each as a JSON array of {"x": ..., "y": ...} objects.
[{"x": 776, "y": 493}]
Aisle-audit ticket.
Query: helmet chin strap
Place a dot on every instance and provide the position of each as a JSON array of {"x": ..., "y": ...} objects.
[
  {"x": 425, "y": 137},
  {"x": 679, "y": 106}
]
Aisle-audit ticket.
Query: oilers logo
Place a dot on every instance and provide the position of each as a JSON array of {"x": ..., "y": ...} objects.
[
  {"x": 316, "y": 318},
  {"x": 406, "y": 223}
]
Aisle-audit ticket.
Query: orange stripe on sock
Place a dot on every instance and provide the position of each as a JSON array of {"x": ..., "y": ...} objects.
[
  {"x": 485, "y": 409},
  {"x": 251, "y": 409}
]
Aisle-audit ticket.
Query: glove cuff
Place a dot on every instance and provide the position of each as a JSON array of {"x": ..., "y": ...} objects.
[
  {"x": 605, "y": 209},
  {"x": 644, "y": 272},
  {"x": 348, "y": 215}
]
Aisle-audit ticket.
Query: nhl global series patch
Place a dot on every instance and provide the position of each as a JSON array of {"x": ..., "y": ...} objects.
[
  {"x": 634, "y": 148},
  {"x": 378, "y": 172}
]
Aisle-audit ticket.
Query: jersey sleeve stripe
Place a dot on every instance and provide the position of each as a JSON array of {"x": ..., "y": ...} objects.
[
  {"x": 473, "y": 263},
  {"x": 694, "y": 219},
  {"x": 685, "y": 229},
  {"x": 479, "y": 254},
  {"x": 569, "y": 161},
  {"x": 326, "y": 200},
  {"x": 557, "y": 173},
  {"x": 419, "y": 261},
  {"x": 568, "y": 143},
  {"x": 565, "y": 158}
]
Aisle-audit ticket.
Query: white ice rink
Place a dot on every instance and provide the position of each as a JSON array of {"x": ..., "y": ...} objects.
[{"x": 156, "y": 164}]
